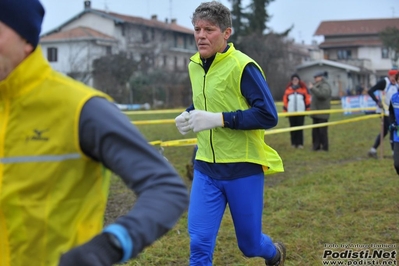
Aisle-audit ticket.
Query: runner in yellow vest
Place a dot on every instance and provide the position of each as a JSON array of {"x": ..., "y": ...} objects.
[
  {"x": 232, "y": 107},
  {"x": 56, "y": 138}
]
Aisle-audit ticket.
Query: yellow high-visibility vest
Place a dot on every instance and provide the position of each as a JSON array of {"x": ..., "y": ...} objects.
[
  {"x": 52, "y": 196},
  {"x": 219, "y": 91}
]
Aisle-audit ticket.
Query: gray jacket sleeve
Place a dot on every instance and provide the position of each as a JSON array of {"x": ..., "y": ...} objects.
[
  {"x": 108, "y": 136},
  {"x": 322, "y": 91}
]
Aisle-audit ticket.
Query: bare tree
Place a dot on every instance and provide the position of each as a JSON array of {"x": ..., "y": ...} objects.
[
  {"x": 112, "y": 73},
  {"x": 79, "y": 61},
  {"x": 390, "y": 39},
  {"x": 80, "y": 55},
  {"x": 270, "y": 52},
  {"x": 162, "y": 88}
]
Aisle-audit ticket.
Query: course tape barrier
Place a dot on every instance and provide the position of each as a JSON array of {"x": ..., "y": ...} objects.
[
  {"x": 150, "y": 112},
  {"x": 176, "y": 143},
  {"x": 193, "y": 141},
  {"x": 349, "y": 120},
  {"x": 153, "y": 122},
  {"x": 171, "y": 111},
  {"x": 285, "y": 114}
]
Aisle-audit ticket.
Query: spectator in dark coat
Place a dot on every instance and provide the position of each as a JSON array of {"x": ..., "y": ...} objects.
[{"x": 321, "y": 100}]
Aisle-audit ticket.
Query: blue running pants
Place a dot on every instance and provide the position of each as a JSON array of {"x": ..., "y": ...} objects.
[{"x": 208, "y": 201}]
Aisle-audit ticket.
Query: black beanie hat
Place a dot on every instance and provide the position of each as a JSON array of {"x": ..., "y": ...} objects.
[
  {"x": 24, "y": 17},
  {"x": 293, "y": 76}
]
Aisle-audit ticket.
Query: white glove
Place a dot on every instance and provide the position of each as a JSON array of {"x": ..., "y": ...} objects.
[
  {"x": 203, "y": 120},
  {"x": 182, "y": 123}
]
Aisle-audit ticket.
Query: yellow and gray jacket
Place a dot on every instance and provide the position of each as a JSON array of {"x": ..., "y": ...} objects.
[{"x": 56, "y": 134}]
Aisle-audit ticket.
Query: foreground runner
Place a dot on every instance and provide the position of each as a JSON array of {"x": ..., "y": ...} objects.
[{"x": 56, "y": 137}]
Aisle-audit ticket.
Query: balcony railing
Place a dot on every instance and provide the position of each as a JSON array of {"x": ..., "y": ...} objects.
[{"x": 362, "y": 63}]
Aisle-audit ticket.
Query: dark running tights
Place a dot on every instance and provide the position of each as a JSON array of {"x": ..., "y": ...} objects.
[
  {"x": 377, "y": 141},
  {"x": 396, "y": 156}
]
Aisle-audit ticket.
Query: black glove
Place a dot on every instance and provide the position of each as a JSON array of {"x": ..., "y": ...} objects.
[
  {"x": 100, "y": 251},
  {"x": 380, "y": 105}
]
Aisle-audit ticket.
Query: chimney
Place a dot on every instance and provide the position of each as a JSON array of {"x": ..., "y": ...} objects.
[
  {"x": 154, "y": 17},
  {"x": 87, "y": 4},
  {"x": 173, "y": 21}
]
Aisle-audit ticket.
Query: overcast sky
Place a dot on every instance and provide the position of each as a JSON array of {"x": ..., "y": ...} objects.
[{"x": 305, "y": 15}]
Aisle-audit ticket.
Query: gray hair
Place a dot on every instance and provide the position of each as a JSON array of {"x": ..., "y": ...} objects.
[{"x": 214, "y": 12}]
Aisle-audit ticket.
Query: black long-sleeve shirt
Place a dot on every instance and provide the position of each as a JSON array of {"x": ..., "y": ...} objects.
[
  {"x": 392, "y": 118},
  {"x": 108, "y": 136},
  {"x": 379, "y": 86}
]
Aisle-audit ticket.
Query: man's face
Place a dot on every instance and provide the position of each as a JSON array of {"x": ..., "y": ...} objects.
[
  {"x": 318, "y": 78},
  {"x": 209, "y": 38},
  {"x": 13, "y": 50},
  {"x": 392, "y": 79}
]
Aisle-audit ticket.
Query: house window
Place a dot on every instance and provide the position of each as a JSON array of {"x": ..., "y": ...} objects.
[
  {"x": 165, "y": 58},
  {"x": 344, "y": 54},
  {"x": 178, "y": 41},
  {"x": 108, "y": 50},
  {"x": 175, "y": 64},
  {"x": 123, "y": 30},
  {"x": 52, "y": 54},
  {"x": 144, "y": 34},
  {"x": 384, "y": 52}
]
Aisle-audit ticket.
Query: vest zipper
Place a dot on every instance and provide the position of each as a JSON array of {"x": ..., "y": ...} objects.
[{"x": 211, "y": 130}]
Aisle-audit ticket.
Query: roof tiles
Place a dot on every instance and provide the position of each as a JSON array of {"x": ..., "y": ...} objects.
[
  {"x": 355, "y": 27},
  {"x": 77, "y": 33}
]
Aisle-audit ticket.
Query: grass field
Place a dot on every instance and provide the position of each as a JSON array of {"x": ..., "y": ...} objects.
[{"x": 336, "y": 197}]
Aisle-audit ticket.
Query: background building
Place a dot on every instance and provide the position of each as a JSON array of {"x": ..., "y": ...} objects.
[{"x": 72, "y": 47}]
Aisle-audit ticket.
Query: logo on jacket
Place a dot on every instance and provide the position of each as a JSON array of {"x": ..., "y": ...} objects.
[{"x": 38, "y": 135}]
